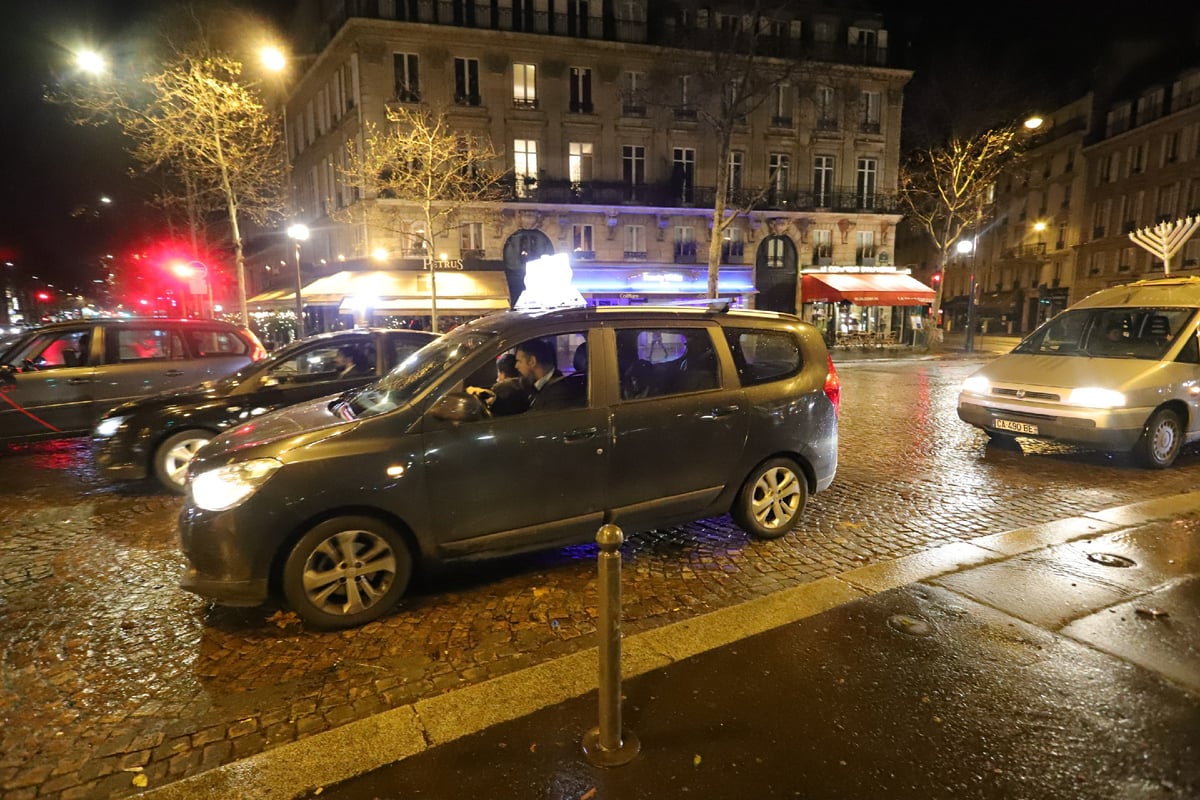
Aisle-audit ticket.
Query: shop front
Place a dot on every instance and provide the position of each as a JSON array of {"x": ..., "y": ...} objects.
[{"x": 864, "y": 307}]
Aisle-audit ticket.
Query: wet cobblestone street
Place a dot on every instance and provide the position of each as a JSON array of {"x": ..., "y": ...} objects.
[{"x": 110, "y": 674}]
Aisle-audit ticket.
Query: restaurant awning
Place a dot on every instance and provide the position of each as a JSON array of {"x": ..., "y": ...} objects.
[
  {"x": 866, "y": 288},
  {"x": 399, "y": 291}
]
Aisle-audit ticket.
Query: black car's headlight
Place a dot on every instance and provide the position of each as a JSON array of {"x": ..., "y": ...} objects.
[
  {"x": 225, "y": 487},
  {"x": 108, "y": 426}
]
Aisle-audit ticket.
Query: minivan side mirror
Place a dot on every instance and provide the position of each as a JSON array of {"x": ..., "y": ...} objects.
[{"x": 458, "y": 407}]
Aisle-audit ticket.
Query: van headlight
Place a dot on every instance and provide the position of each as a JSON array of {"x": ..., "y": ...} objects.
[
  {"x": 1095, "y": 397},
  {"x": 976, "y": 384},
  {"x": 108, "y": 427},
  {"x": 229, "y": 486}
]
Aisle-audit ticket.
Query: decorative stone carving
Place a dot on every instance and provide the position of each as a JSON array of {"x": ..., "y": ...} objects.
[
  {"x": 802, "y": 225},
  {"x": 844, "y": 225},
  {"x": 884, "y": 228},
  {"x": 531, "y": 219}
]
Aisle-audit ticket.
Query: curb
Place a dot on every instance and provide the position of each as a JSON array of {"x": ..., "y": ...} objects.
[{"x": 294, "y": 769}]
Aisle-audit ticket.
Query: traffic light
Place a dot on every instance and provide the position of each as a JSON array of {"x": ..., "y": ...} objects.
[{"x": 935, "y": 279}]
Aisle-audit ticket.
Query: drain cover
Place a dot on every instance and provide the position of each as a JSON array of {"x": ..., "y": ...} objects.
[
  {"x": 1111, "y": 560},
  {"x": 913, "y": 626}
]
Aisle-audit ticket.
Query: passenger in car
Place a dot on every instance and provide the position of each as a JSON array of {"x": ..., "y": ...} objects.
[
  {"x": 537, "y": 364},
  {"x": 511, "y": 394},
  {"x": 350, "y": 363}
]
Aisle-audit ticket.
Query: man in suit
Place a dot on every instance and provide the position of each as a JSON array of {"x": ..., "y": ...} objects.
[{"x": 538, "y": 366}]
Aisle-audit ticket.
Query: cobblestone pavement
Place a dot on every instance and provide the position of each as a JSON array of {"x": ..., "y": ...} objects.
[{"x": 111, "y": 677}]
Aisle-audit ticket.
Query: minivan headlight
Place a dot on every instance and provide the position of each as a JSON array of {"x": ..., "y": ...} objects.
[
  {"x": 976, "y": 384},
  {"x": 108, "y": 427},
  {"x": 1095, "y": 397},
  {"x": 229, "y": 486}
]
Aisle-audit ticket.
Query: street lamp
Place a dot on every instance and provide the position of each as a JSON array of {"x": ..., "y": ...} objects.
[
  {"x": 299, "y": 233},
  {"x": 965, "y": 247}
]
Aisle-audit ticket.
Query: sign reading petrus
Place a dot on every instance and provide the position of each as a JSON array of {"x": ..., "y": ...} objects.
[{"x": 442, "y": 263}]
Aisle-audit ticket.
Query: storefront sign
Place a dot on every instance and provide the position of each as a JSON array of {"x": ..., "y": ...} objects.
[{"x": 442, "y": 263}]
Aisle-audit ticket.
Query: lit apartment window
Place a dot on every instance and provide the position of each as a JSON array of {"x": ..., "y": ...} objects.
[
  {"x": 471, "y": 238},
  {"x": 865, "y": 186},
  {"x": 778, "y": 166},
  {"x": 525, "y": 85},
  {"x": 406, "y": 72},
  {"x": 525, "y": 166},
  {"x": 737, "y": 169},
  {"x": 466, "y": 81},
  {"x": 633, "y": 167},
  {"x": 823, "y": 181},
  {"x": 579, "y": 161},
  {"x": 635, "y": 241},
  {"x": 582, "y": 241},
  {"x": 684, "y": 172},
  {"x": 581, "y": 90}
]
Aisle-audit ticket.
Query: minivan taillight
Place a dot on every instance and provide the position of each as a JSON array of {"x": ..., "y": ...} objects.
[{"x": 833, "y": 386}]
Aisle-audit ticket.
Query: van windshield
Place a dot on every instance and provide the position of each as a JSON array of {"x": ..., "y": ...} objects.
[
  {"x": 1142, "y": 333},
  {"x": 413, "y": 375}
]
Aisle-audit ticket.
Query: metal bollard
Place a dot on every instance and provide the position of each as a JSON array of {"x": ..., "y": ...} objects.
[{"x": 607, "y": 745}]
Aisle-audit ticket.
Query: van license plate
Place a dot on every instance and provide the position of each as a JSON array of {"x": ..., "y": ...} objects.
[{"x": 1016, "y": 427}]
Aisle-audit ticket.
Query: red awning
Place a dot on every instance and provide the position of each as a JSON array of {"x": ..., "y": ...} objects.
[{"x": 866, "y": 289}]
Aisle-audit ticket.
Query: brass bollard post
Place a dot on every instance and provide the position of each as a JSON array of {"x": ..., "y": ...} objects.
[{"x": 608, "y": 745}]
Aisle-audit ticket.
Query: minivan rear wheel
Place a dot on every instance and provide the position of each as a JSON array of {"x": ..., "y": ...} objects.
[
  {"x": 771, "y": 500},
  {"x": 346, "y": 571},
  {"x": 1161, "y": 439},
  {"x": 172, "y": 457}
]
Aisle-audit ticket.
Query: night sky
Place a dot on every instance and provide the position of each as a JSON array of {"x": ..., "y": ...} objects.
[{"x": 1001, "y": 59}]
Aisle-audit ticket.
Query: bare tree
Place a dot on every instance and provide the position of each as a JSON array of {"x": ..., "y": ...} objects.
[
  {"x": 731, "y": 73},
  {"x": 197, "y": 120},
  {"x": 419, "y": 163},
  {"x": 945, "y": 187}
]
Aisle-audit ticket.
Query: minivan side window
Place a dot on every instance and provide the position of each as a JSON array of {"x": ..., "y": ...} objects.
[
  {"x": 653, "y": 362},
  {"x": 215, "y": 343},
  {"x": 763, "y": 356},
  {"x": 141, "y": 344},
  {"x": 1190, "y": 352},
  {"x": 53, "y": 350}
]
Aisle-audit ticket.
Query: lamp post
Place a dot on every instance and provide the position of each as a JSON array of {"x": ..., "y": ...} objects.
[
  {"x": 964, "y": 247},
  {"x": 299, "y": 233}
]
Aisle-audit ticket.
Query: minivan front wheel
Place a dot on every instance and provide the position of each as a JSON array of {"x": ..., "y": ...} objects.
[
  {"x": 172, "y": 457},
  {"x": 1161, "y": 439},
  {"x": 345, "y": 572},
  {"x": 771, "y": 500}
]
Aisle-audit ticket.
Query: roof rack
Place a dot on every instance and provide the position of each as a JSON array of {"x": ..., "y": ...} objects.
[{"x": 718, "y": 305}]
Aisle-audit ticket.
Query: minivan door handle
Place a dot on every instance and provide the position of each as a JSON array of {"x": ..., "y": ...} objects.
[
  {"x": 79, "y": 381},
  {"x": 579, "y": 434},
  {"x": 173, "y": 373},
  {"x": 721, "y": 411}
]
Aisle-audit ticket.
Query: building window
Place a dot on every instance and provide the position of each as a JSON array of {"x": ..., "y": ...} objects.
[
  {"x": 579, "y": 161},
  {"x": 864, "y": 248},
  {"x": 869, "y": 122},
  {"x": 776, "y": 252},
  {"x": 582, "y": 244},
  {"x": 525, "y": 86},
  {"x": 577, "y": 18},
  {"x": 525, "y": 166},
  {"x": 1137, "y": 159},
  {"x": 633, "y": 94},
  {"x": 633, "y": 169},
  {"x": 684, "y": 110},
  {"x": 1170, "y": 150},
  {"x": 685, "y": 244},
  {"x": 737, "y": 168},
  {"x": 781, "y": 105},
  {"x": 823, "y": 181},
  {"x": 407, "y": 75},
  {"x": 778, "y": 165},
  {"x": 466, "y": 81},
  {"x": 822, "y": 246},
  {"x": 471, "y": 239},
  {"x": 635, "y": 241},
  {"x": 733, "y": 245},
  {"x": 683, "y": 174},
  {"x": 865, "y": 186},
  {"x": 581, "y": 90},
  {"x": 826, "y": 112}
]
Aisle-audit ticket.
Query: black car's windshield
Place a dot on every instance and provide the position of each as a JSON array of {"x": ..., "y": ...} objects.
[
  {"x": 413, "y": 375},
  {"x": 1141, "y": 333}
]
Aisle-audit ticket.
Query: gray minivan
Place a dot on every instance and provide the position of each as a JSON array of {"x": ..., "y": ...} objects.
[
  {"x": 1119, "y": 370},
  {"x": 58, "y": 380}
]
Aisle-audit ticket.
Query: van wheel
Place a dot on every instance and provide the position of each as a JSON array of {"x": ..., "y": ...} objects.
[
  {"x": 1161, "y": 439},
  {"x": 345, "y": 572},
  {"x": 771, "y": 500},
  {"x": 172, "y": 457}
]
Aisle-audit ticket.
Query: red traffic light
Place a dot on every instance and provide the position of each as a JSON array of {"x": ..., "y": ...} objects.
[
  {"x": 936, "y": 278},
  {"x": 43, "y": 296}
]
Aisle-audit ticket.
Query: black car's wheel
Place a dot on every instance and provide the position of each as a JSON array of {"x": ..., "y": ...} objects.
[
  {"x": 1161, "y": 439},
  {"x": 172, "y": 457},
  {"x": 345, "y": 572},
  {"x": 771, "y": 500}
]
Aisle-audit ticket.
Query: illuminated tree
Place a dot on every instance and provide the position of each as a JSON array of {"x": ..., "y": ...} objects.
[{"x": 419, "y": 166}]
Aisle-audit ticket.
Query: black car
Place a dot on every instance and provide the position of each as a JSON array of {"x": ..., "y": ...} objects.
[
  {"x": 158, "y": 435},
  {"x": 663, "y": 416}
]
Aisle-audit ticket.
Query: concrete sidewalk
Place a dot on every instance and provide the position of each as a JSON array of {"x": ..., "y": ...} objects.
[{"x": 1055, "y": 661}]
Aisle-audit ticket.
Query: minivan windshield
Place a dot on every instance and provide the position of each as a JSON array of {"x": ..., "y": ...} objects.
[
  {"x": 413, "y": 375},
  {"x": 1140, "y": 333}
]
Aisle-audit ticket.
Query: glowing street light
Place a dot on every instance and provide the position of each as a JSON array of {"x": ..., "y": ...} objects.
[
  {"x": 1033, "y": 123},
  {"x": 299, "y": 233},
  {"x": 273, "y": 59},
  {"x": 91, "y": 62}
]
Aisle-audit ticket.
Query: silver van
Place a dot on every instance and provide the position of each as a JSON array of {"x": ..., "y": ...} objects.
[
  {"x": 1118, "y": 371},
  {"x": 58, "y": 380}
]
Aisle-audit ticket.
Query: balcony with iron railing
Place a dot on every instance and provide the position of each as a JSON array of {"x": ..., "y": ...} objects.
[{"x": 1033, "y": 250}]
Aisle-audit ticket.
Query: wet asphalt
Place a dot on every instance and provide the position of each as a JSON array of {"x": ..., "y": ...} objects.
[{"x": 1069, "y": 671}]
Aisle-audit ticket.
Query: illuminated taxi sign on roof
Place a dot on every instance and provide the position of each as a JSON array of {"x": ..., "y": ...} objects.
[{"x": 548, "y": 284}]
